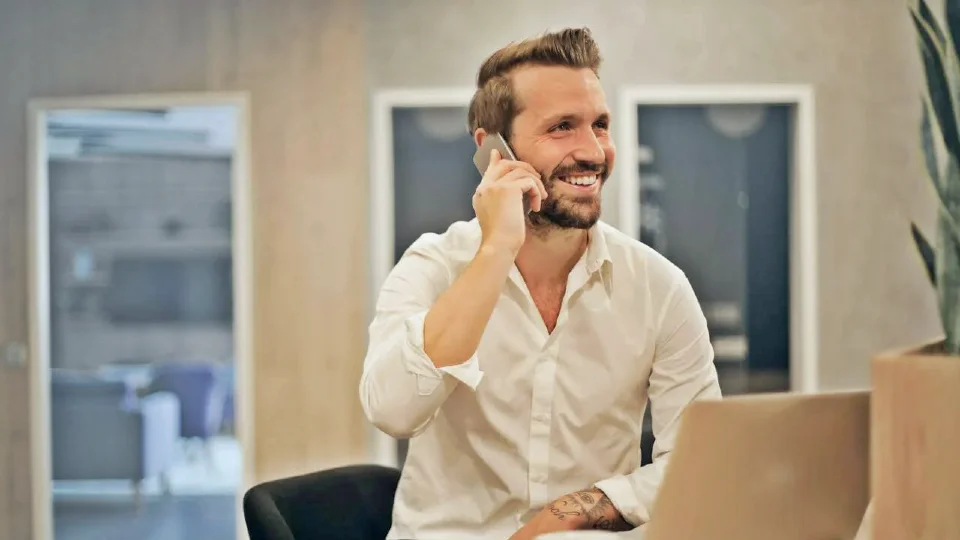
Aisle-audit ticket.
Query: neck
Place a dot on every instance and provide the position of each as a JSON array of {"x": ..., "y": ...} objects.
[{"x": 549, "y": 256}]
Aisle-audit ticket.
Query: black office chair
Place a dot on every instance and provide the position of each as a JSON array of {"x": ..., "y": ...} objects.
[{"x": 346, "y": 503}]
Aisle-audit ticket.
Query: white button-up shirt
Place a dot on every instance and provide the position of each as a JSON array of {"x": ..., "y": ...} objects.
[{"x": 534, "y": 415}]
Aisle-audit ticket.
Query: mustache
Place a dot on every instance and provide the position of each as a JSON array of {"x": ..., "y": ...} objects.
[{"x": 581, "y": 167}]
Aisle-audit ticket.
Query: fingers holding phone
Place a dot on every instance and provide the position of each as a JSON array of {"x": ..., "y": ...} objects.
[
  {"x": 485, "y": 156},
  {"x": 510, "y": 170},
  {"x": 499, "y": 201}
]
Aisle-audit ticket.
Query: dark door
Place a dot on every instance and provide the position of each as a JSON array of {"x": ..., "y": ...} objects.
[
  {"x": 714, "y": 199},
  {"x": 434, "y": 178}
]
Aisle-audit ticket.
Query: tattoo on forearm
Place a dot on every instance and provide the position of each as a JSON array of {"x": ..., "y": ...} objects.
[
  {"x": 599, "y": 511},
  {"x": 560, "y": 509}
]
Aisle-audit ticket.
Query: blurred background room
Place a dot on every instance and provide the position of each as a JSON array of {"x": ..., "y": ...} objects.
[{"x": 199, "y": 200}]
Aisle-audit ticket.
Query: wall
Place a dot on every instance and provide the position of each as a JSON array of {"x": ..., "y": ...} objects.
[
  {"x": 859, "y": 55},
  {"x": 303, "y": 62}
]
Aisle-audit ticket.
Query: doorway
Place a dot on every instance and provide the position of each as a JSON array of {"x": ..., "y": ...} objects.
[
  {"x": 141, "y": 316},
  {"x": 423, "y": 180},
  {"x": 720, "y": 180}
]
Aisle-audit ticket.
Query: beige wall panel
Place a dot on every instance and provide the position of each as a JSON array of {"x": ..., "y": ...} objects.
[{"x": 303, "y": 62}]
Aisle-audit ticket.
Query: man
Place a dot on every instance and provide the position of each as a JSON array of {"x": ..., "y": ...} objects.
[{"x": 517, "y": 351}]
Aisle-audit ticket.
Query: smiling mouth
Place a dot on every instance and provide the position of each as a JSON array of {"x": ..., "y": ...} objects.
[{"x": 582, "y": 181}]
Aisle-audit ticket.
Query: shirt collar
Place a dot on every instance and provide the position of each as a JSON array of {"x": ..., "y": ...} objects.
[
  {"x": 598, "y": 254},
  {"x": 596, "y": 259}
]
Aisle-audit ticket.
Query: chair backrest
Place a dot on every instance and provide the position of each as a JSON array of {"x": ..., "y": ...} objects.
[
  {"x": 196, "y": 385},
  {"x": 346, "y": 503}
]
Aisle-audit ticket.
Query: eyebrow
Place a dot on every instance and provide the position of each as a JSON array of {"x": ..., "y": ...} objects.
[{"x": 553, "y": 120}]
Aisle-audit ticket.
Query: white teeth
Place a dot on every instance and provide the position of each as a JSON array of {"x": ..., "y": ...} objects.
[{"x": 581, "y": 180}]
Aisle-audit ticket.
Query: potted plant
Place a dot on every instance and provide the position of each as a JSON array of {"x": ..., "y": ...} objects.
[{"x": 915, "y": 431}]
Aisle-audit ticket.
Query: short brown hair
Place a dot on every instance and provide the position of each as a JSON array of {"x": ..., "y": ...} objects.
[{"x": 494, "y": 105}]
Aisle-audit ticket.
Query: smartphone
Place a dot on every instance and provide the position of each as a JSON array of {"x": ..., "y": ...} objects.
[
  {"x": 482, "y": 158},
  {"x": 495, "y": 140}
]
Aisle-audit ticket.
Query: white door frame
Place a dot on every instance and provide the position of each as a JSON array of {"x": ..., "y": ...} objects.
[
  {"x": 804, "y": 333},
  {"x": 39, "y": 283},
  {"x": 383, "y": 446}
]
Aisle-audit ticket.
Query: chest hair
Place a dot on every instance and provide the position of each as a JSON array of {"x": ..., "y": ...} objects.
[{"x": 549, "y": 300}]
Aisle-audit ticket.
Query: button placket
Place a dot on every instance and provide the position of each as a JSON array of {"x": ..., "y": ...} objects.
[{"x": 539, "y": 449}]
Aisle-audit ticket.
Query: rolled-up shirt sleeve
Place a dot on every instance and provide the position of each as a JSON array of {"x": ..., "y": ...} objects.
[
  {"x": 401, "y": 389},
  {"x": 683, "y": 371}
]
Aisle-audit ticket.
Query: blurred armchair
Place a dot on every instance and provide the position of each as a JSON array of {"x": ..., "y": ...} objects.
[
  {"x": 201, "y": 392},
  {"x": 101, "y": 430}
]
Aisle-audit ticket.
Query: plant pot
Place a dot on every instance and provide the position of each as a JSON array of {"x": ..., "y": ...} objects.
[{"x": 915, "y": 445}]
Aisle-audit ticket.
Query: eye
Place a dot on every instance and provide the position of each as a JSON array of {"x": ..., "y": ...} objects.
[
  {"x": 601, "y": 124},
  {"x": 562, "y": 126}
]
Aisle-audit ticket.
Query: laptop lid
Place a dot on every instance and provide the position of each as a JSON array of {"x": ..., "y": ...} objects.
[{"x": 784, "y": 466}]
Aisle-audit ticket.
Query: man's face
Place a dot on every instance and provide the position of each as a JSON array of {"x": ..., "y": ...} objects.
[{"x": 563, "y": 130}]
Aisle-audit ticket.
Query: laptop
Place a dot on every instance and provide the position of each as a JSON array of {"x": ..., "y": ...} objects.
[{"x": 783, "y": 466}]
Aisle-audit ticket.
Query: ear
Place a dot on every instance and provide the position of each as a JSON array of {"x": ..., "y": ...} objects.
[{"x": 478, "y": 136}]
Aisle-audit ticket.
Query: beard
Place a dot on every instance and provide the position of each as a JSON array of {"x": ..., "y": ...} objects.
[{"x": 565, "y": 211}]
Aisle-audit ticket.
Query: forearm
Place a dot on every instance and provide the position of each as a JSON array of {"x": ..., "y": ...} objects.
[
  {"x": 421, "y": 348},
  {"x": 424, "y": 336},
  {"x": 582, "y": 510},
  {"x": 400, "y": 397},
  {"x": 456, "y": 322},
  {"x": 633, "y": 494},
  {"x": 589, "y": 509}
]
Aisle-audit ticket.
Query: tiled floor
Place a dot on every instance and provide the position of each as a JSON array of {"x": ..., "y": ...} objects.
[
  {"x": 201, "y": 505},
  {"x": 194, "y": 517}
]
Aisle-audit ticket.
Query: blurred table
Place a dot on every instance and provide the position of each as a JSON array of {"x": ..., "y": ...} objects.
[{"x": 138, "y": 376}]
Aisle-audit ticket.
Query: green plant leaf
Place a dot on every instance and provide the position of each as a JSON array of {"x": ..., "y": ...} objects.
[
  {"x": 931, "y": 20},
  {"x": 930, "y": 150},
  {"x": 926, "y": 252},
  {"x": 952, "y": 13},
  {"x": 948, "y": 283},
  {"x": 933, "y": 171},
  {"x": 938, "y": 86}
]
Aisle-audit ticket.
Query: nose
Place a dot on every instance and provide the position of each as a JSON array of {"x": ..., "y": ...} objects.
[{"x": 589, "y": 149}]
